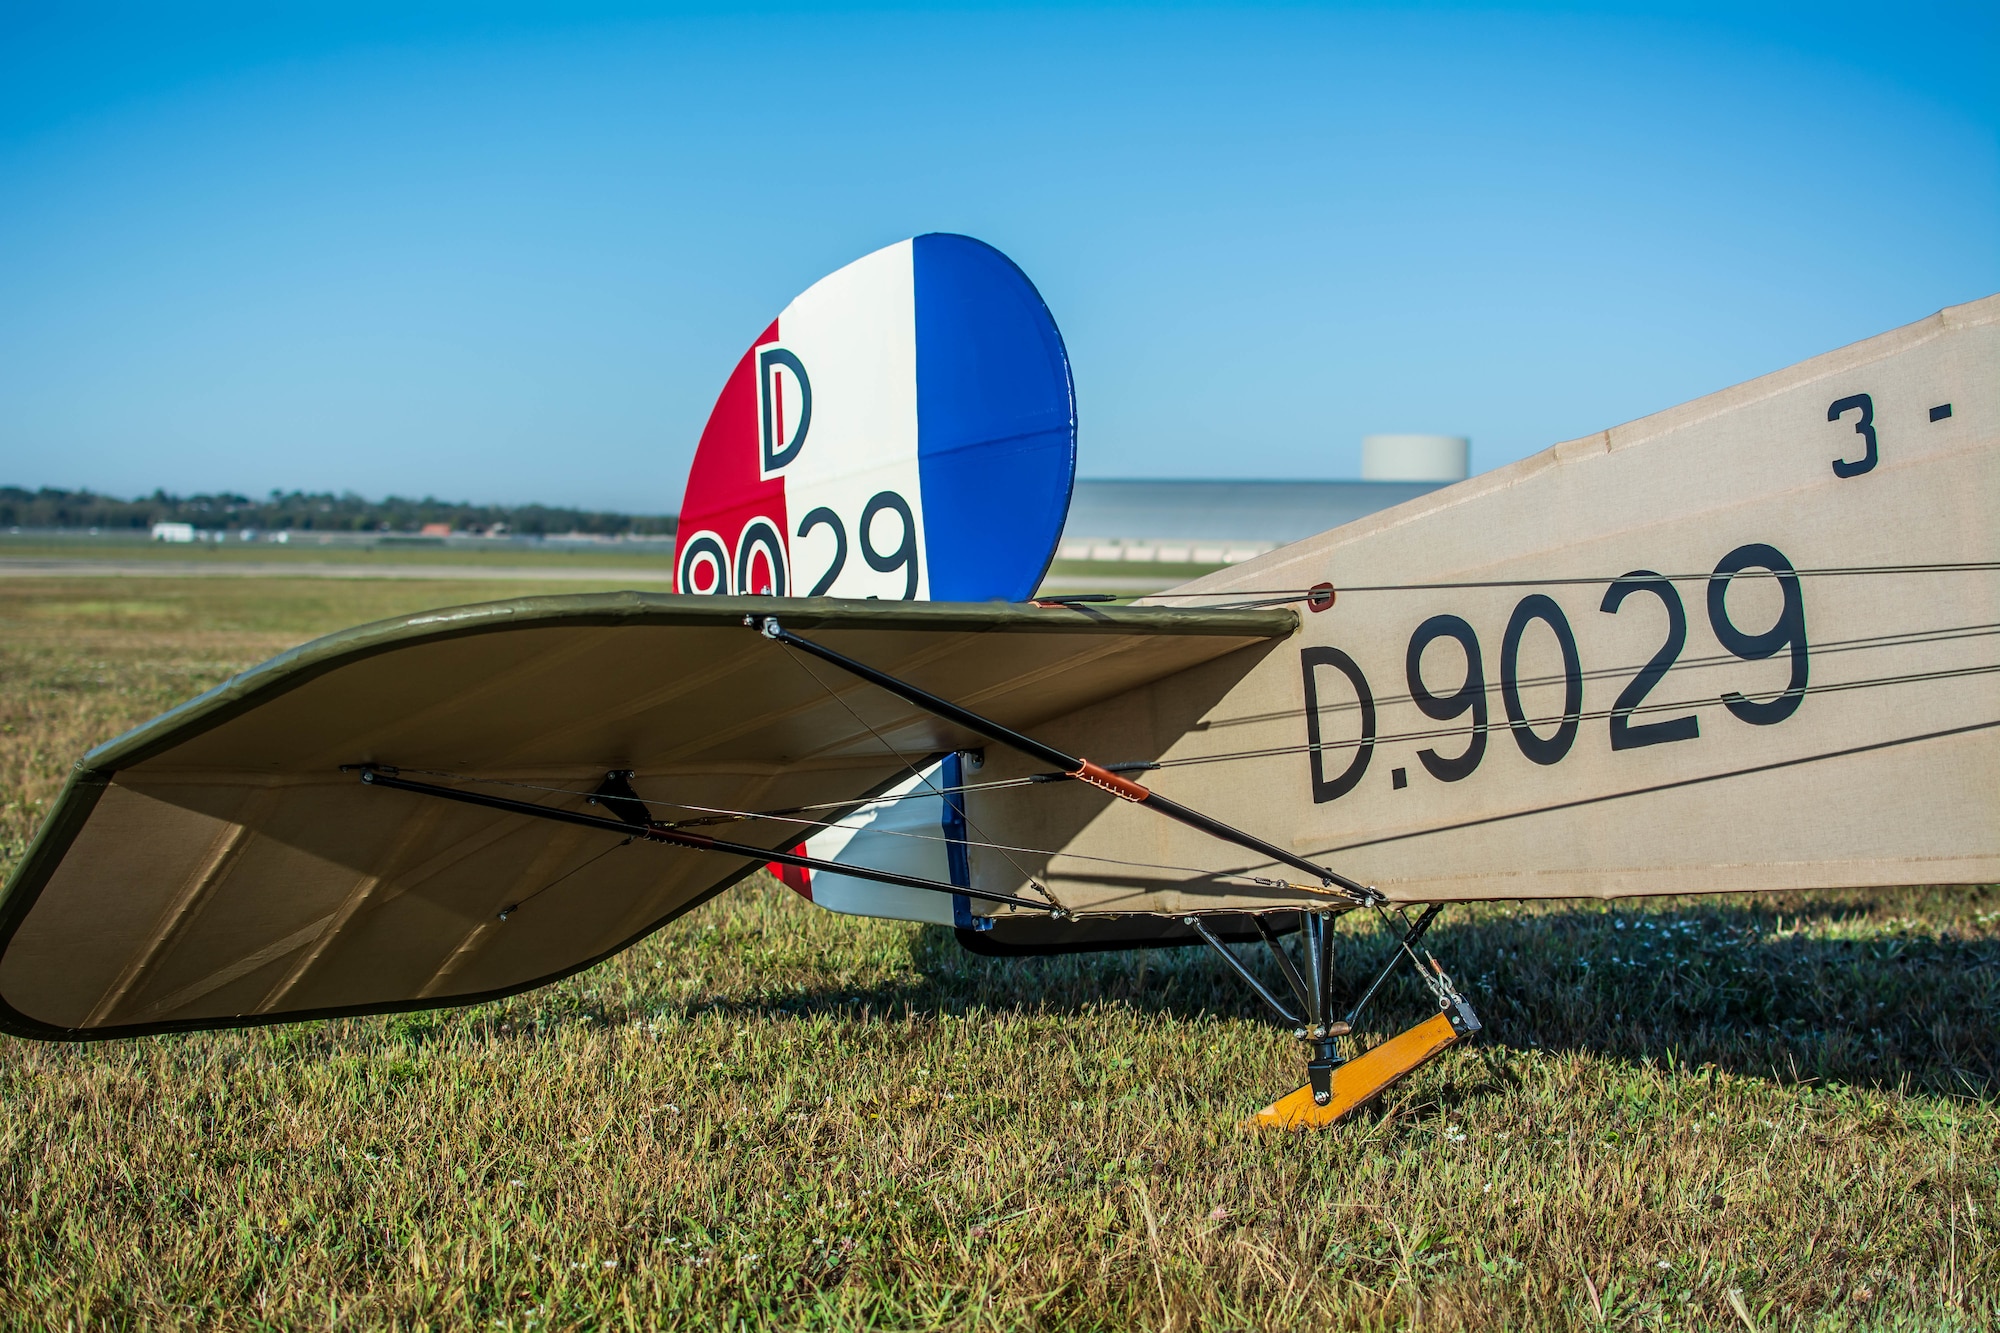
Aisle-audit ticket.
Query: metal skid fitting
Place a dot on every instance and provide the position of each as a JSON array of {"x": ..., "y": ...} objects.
[
  {"x": 1322, "y": 1033},
  {"x": 1367, "y": 1076}
]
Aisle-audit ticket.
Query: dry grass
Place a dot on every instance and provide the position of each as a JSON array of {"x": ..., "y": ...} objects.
[{"x": 773, "y": 1116}]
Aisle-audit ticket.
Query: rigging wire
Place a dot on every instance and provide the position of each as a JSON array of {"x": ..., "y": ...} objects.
[
  {"x": 984, "y": 841},
  {"x": 514, "y": 907},
  {"x": 1900, "y": 639},
  {"x": 854, "y": 805},
  {"x": 795, "y": 815},
  {"x": 1658, "y": 787},
  {"x": 789, "y": 818},
  {"x": 921, "y": 775},
  {"x": 792, "y": 813},
  {"x": 1007, "y": 849},
  {"x": 1445, "y": 733},
  {"x": 1263, "y": 597}
]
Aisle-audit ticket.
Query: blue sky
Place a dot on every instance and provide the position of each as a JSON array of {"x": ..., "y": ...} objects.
[{"x": 509, "y": 254}]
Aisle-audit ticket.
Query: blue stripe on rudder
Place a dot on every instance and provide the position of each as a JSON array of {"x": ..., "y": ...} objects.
[{"x": 996, "y": 422}]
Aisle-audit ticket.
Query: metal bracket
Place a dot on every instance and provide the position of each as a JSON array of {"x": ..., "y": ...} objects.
[
  {"x": 616, "y": 795},
  {"x": 1317, "y": 1029},
  {"x": 1323, "y": 1034}
]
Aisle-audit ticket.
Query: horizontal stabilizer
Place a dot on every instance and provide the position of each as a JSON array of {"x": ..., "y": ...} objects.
[{"x": 224, "y": 864}]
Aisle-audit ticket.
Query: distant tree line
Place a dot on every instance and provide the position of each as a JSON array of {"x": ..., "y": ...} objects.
[{"x": 299, "y": 511}]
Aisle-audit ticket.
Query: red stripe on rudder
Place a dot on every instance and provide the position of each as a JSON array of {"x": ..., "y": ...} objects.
[
  {"x": 724, "y": 491},
  {"x": 796, "y": 878}
]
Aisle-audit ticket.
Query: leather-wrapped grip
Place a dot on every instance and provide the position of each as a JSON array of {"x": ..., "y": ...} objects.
[{"x": 1106, "y": 780}]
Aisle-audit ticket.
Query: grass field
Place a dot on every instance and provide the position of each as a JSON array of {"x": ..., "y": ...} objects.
[
  {"x": 654, "y": 561},
  {"x": 306, "y": 551},
  {"x": 1713, "y": 1114}
]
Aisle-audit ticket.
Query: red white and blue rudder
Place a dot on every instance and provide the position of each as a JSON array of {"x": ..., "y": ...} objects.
[{"x": 905, "y": 429}]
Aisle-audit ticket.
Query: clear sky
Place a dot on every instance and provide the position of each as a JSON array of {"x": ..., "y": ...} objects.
[{"x": 509, "y": 254}]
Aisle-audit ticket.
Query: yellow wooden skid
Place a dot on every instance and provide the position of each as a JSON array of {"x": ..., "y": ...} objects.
[{"x": 1361, "y": 1079}]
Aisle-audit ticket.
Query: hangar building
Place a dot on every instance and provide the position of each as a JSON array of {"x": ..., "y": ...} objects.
[{"x": 1222, "y": 522}]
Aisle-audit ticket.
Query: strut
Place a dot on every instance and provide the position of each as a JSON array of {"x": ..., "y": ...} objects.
[
  {"x": 1073, "y": 766},
  {"x": 650, "y": 831}
]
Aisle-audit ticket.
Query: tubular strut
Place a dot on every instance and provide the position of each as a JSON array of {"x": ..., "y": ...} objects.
[
  {"x": 649, "y": 831},
  {"x": 1408, "y": 946},
  {"x": 1249, "y": 977},
  {"x": 1072, "y": 765}
]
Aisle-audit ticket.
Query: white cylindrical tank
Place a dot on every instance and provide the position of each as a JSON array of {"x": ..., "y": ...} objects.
[{"x": 1415, "y": 457}]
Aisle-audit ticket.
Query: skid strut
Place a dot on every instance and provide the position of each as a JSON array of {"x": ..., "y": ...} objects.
[{"x": 1336, "y": 1086}]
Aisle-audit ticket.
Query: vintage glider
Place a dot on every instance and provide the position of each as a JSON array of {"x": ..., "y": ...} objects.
[{"x": 1744, "y": 644}]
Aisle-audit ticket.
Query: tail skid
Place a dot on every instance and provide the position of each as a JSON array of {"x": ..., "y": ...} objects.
[
  {"x": 1336, "y": 1087},
  {"x": 1367, "y": 1076}
]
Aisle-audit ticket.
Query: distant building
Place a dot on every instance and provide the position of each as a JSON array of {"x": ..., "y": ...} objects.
[
  {"x": 1222, "y": 522},
  {"x": 434, "y": 530},
  {"x": 1439, "y": 458},
  {"x": 1215, "y": 522},
  {"x": 173, "y": 532}
]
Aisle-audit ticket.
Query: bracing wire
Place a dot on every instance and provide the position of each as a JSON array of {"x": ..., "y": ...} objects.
[
  {"x": 842, "y": 809},
  {"x": 1901, "y": 639},
  {"x": 794, "y": 814},
  {"x": 1281, "y": 596},
  {"x": 912, "y": 766},
  {"x": 1007, "y": 849},
  {"x": 790, "y": 817},
  {"x": 1445, "y": 733},
  {"x": 722, "y": 814},
  {"x": 1658, "y": 787},
  {"x": 514, "y": 907}
]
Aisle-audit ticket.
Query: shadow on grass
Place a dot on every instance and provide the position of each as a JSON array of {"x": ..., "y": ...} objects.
[{"x": 1879, "y": 989}]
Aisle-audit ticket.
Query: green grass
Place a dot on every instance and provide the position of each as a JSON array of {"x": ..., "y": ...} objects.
[
  {"x": 1167, "y": 574},
  {"x": 770, "y": 1116},
  {"x": 1063, "y": 574}
]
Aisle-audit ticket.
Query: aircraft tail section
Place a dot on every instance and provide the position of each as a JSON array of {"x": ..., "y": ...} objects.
[{"x": 1749, "y": 643}]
